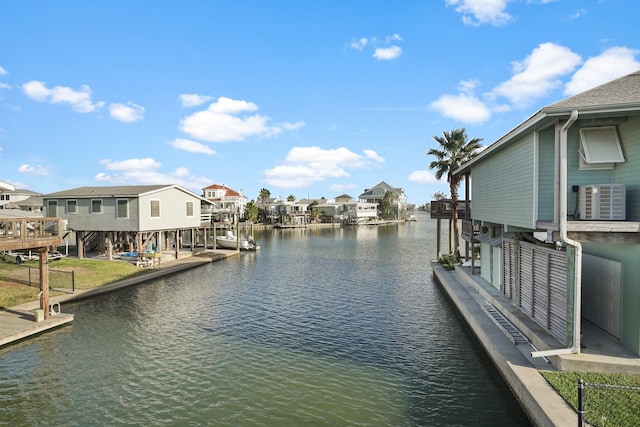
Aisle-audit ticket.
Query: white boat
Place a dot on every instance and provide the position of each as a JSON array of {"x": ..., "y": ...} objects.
[{"x": 230, "y": 241}]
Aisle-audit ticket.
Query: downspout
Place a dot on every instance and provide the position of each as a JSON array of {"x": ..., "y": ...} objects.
[{"x": 567, "y": 241}]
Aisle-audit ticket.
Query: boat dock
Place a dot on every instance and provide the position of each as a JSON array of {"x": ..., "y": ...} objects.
[{"x": 19, "y": 322}]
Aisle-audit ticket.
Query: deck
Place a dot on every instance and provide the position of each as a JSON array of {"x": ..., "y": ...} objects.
[
  {"x": 29, "y": 233},
  {"x": 21, "y": 324}
]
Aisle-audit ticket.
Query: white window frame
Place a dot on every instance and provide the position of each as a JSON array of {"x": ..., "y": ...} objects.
[{"x": 600, "y": 147}]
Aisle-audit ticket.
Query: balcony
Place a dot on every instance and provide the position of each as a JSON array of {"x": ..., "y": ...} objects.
[
  {"x": 442, "y": 209},
  {"x": 29, "y": 233}
]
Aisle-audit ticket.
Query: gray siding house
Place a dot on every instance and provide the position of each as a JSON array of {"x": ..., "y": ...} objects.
[
  {"x": 126, "y": 215},
  {"x": 556, "y": 213}
]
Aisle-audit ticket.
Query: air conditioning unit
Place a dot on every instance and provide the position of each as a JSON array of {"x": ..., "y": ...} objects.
[{"x": 603, "y": 202}]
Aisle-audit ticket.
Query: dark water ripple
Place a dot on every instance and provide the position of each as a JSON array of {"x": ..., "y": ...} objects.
[{"x": 321, "y": 328}]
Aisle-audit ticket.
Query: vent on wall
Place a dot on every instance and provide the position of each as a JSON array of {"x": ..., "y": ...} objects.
[{"x": 603, "y": 202}]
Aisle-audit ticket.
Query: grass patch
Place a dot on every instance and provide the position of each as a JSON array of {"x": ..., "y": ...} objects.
[
  {"x": 14, "y": 279},
  {"x": 605, "y": 406}
]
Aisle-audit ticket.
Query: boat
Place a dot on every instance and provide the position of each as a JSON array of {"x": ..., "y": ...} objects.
[{"x": 230, "y": 241}]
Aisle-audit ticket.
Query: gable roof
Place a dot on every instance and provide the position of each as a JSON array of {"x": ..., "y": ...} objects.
[
  {"x": 118, "y": 191},
  {"x": 621, "y": 92},
  {"x": 382, "y": 184},
  {"x": 617, "y": 97},
  {"x": 230, "y": 192}
]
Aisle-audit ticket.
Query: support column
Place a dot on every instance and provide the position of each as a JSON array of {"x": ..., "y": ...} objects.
[{"x": 44, "y": 281}]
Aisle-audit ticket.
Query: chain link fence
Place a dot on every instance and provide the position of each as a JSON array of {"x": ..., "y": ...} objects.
[
  {"x": 59, "y": 280},
  {"x": 591, "y": 393}
]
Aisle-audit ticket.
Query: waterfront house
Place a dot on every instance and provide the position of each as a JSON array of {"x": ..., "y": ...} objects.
[
  {"x": 225, "y": 202},
  {"x": 556, "y": 213},
  {"x": 16, "y": 198},
  {"x": 127, "y": 218},
  {"x": 377, "y": 193}
]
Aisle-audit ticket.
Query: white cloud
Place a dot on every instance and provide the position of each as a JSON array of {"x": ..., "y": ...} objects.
[
  {"x": 387, "y": 53},
  {"x": 191, "y": 146},
  {"x": 462, "y": 107},
  {"x": 4, "y": 86},
  {"x": 127, "y": 113},
  {"x": 477, "y": 12},
  {"x": 193, "y": 99},
  {"x": 3, "y": 72},
  {"x": 291, "y": 126},
  {"x": 577, "y": 14},
  {"x": 612, "y": 63},
  {"x": 147, "y": 171},
  {"x": 383, "y": 50},
  {"x": 223, "y": 121},
  {"x": 423, "y": 177},
  {"x": 359, "y": 44},
  {"x": 537, "y": 75},
  {"x": 305, "y": 165},
  {"x": 80, "y": 100},
  {"x": 33, "y": 170},
  {"x": 372, "y": 155}
]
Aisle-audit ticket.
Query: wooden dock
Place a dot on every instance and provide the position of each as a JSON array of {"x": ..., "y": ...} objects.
[{"x": 20, "y": 324}]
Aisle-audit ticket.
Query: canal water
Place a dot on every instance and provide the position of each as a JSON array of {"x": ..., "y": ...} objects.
[{"x": 327, "y": 327}]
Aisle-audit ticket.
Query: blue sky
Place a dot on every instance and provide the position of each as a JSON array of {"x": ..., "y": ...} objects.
[{"x": 309, "y": 98}]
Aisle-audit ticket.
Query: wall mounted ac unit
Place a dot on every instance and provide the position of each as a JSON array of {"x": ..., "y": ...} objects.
[{"x": 603, "y": 202}]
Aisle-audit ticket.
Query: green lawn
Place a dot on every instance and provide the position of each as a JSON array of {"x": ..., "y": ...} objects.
[
  {"x": 87, "y": 273},
  {"x": 604, "y": 405}
]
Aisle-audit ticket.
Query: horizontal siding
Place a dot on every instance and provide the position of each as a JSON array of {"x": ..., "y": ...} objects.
[
  {"x": 502, "y": 186},
  {"x": 629, "y": 172},
  {"x": 173, "y": 210},
  {"x": 546, "y": 174},
  {"x": 106, "y": 220}
]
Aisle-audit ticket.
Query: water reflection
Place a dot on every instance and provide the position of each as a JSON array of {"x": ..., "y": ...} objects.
[{"x": 321, "y": 327}]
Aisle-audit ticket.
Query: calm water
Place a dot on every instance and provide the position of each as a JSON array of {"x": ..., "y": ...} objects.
[{"x": 320, "y": 328}]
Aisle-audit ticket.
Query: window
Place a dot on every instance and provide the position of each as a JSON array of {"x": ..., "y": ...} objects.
[
  {"x": 189, "y": 208},
  {"x": 155, "y": 208},
  {"x": 122, "y": 210},
  {"x": 599, "y": 148},
  {"x": 96, "y": 206},
  {"x": 52, "y": 208},
  {"x": 72, "y": 206}
]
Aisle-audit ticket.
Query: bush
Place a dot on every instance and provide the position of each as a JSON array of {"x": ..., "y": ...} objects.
[{"x": 448, "y": 261}]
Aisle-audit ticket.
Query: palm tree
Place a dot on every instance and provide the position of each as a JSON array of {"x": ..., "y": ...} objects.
[
  {"x": 263, "y": 195},
  {"x": 453, "y": 152},
  {"x": 291, "y": 198}
]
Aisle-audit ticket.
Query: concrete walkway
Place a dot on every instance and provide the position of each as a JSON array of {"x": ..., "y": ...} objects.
[
  {"x": 19, "y": 322},
  {"x": 521, "y": 372}
]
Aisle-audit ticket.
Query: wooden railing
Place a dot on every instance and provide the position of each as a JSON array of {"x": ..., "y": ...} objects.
[{"x": 29, "y": 233}]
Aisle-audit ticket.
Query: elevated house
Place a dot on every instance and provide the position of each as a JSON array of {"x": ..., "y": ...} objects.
[
  {"x": 127, "y": 218},
  {"x": 225, "y": 203},
  {"x": 377, "y": 193},
  {"x": 556, "y": 213}
]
